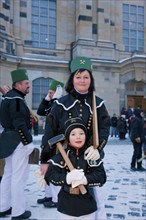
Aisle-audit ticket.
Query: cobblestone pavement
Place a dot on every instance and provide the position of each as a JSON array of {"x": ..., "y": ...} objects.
[{"x": 125, "y": 191}]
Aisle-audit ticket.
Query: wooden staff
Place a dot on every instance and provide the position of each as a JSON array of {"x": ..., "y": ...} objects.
[{"x": 95, "y": 123}]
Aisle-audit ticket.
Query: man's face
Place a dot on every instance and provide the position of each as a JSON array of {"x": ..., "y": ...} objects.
[
  {"x": 51, "y": 93},
  {"x": 23, "y": 86}
]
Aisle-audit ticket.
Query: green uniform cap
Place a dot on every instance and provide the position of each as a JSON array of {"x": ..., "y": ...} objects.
[
  {"x": 19, "y": 75},
  {"x": 54, "y": 83},
  {"x": 80, "y": 63}
]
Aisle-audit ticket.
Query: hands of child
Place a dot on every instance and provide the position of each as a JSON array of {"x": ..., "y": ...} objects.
[
  {"x": 74, "y": 175},
  {"x": 76, "y": 183},
  {"x": 91, "y": 154}
]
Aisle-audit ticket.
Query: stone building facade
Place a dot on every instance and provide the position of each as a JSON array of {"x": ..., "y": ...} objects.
[{"x": 82, "y": 27}]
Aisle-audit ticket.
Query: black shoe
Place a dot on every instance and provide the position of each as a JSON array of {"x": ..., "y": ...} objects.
[
  {"x": 5, "y": 213},
  {"x": 41, "y": 201},
  {"x": 141, "y": 169},
  {"x": 50, "y": 204},
  {"x": 25, "y": 215},
  {"x": 133, "y": 169}
]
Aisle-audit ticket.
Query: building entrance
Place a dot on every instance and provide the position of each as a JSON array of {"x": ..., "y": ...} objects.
[{"x": 136, "y": 101}]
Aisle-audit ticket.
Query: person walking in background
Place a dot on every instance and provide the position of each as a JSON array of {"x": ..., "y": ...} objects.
[
  {"x": 55, "y": 91},
  {"x": 72, "y": 204},
  {"x": 114, "y": 121},
  {"x": 78, "y": 103},
  {"x": 144, "y": 135},
  {"x": 16, "y": 121},
  {"x": 122, "y": 127},
  {"x": 136, "y": 136}
]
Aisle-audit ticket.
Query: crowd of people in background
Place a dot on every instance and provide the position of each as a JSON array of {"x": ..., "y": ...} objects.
[{"x": 131, "y": 122}]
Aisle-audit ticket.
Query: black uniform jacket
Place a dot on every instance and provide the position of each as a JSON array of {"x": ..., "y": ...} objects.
[
  {"x": 75, "y": 105},
  {"x": 45, "y": 107},
  {"x": 137, "y": 128},
  {"x": 15, "y": 115},
  {"x": 75, "y": 205}
]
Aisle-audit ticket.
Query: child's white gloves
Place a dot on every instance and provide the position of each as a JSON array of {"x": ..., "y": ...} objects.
[
  {"x": 91, "y": 154},
  {"x": 76, "y": 177},
  {"x": 76, "y": 183}
]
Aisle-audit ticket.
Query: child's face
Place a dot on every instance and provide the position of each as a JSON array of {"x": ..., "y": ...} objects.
[{"x": 77, "y": 138}]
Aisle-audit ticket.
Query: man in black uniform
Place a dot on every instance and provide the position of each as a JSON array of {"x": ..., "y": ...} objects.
[
  {"x": 15, "y": 146},
  {"x": 55, "y": 91}
]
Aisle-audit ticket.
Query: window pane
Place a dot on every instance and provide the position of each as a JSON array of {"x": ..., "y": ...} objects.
[
  {"x": 43, "y": 45},
  {"x": 43, "y": 20},
  {"x": 35, "y": 10},
  {"x": 140, "y": 10},
  {"x": 44, "y": 11},
  {"x": 52, "y": 5},
  {"x": 52, "y": 21},
  {"x": 132, "y": 9},
  {"x": 35, "y": 19},
  {"x": 44, "y": 28},
  {"x": 43, "y": 37},
  {"x": 35, "y": 44},
  {"x": 140, "y": 35},
  {"x": 125, "y": 8},
  {"x": 52, "y": 39},
  {"x": 35, "y": 27},
  {"x": 133, "y": 25},
  {"x": 44, "y": 3},
  {"x": 141, "y": 18},
  {"x": 35, "y": 2},
  {"x": 52, "y": 13},
  {"x": 125, "y": 25},
  {"x": 35, "y": 36}
]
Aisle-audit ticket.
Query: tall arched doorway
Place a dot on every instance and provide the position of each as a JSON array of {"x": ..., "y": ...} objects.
[{"x": 136, "y": 94}]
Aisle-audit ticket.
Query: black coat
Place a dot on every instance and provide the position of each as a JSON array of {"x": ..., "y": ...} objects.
[
  {"x": 137, "y": 128},
  {"x": 45, "y": 107},
  {"x": 75, "y": 105},
  {"x": 75, "y": 205},
  {"x": 15, "y": 115}
]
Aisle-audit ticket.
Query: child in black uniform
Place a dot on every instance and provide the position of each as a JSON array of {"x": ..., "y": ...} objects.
[{"x": 71, "y": 203}]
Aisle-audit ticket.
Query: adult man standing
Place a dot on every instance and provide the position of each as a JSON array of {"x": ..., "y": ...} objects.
[
  {"x": 15, "y": 119},
  {"x": 55, "y": 92}
]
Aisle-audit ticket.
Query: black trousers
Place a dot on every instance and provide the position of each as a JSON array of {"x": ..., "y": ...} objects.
[{"x": 137, "y": 154}]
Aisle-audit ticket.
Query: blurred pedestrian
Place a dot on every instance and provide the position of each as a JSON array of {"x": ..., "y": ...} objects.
[
  {"x": 15, "y": 119},
  {"x": 114, "y": 121},
  {"x": 136, "y": 136},
  {"x": 55, "y": 92},
  {"x": 144, "y": 136},
  {"x": 72, "y": 204},
  {"x": 122, "y": 127}
]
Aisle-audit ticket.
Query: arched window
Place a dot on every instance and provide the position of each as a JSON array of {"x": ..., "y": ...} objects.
[{"x": 40, "y": 87}]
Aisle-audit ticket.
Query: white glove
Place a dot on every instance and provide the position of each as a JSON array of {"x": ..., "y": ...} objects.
[
  {"x": 74, "y": 175},
  {"x": 76, "y": 183},
  {"x": 41, "y": 179},
  {"x": 91, "y": 154},
  {"x": 47, "y": 98},
  {"x": 58, "y": 93}
]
